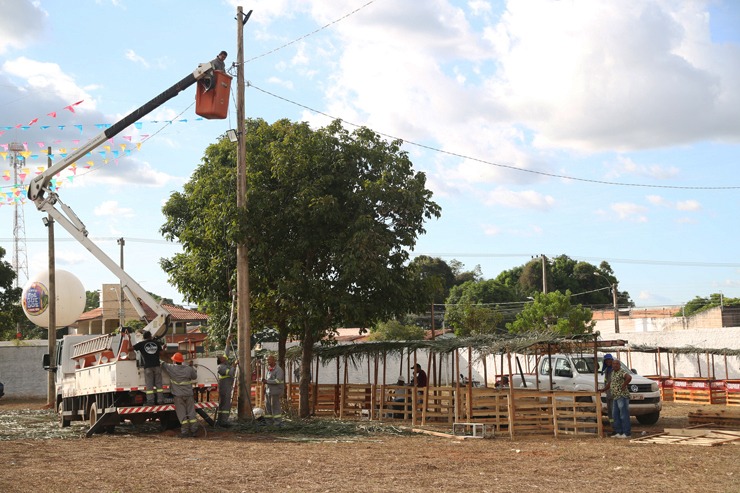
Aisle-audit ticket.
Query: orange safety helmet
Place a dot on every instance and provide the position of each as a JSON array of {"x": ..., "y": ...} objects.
[{"x": 177, "y": 358}]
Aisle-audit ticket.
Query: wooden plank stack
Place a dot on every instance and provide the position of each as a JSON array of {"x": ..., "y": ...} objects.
[{"x": 717, "y": 418}]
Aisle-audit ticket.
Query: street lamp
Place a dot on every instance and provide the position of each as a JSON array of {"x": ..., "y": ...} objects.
[{"x": 613, "y": 287}]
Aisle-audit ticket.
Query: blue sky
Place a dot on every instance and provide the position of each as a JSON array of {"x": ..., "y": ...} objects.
[{"x": 602, "y": 130}]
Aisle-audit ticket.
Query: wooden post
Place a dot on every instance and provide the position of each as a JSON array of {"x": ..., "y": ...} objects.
[
  {"x": 470, "y": 384},
  {"x": 709, "y": 373},
  {"x": 698, "y": 363},
  {"x": 374, "y": 388},
  {"x": 458, "y": 402},
  {"x": 413, "y": 394},
  {"x": 727, "y": 369},
  {"x": 511, "y": 395},
  {"x": 316, "y": 387},
  {"x": 485, "y": 372}
]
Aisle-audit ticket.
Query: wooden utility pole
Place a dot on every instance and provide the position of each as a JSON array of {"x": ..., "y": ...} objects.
[
  {"x": 544, "y": 273},
  {"x": 242, "y": 258},
  {"x": 51, "y": 392},
  {"x": 616, "y": 308}
]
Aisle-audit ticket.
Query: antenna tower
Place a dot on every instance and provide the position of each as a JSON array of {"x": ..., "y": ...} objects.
[{"x": 20, "y": 257}]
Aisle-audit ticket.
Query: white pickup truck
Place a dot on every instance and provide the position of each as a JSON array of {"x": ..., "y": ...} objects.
[{"x": 576, "y": 372}]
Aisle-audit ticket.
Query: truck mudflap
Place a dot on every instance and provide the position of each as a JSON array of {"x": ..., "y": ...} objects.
[{"x": 113, "y": 414}]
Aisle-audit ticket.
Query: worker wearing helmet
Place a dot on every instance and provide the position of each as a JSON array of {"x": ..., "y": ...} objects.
[
  {"x": 226, "y": 371},
  {"x": 182, "y": 378},
  {"x": 274, "y": 387}
]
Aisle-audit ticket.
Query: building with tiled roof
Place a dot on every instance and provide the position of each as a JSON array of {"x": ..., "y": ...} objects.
[{"x": 107, "y": 318}]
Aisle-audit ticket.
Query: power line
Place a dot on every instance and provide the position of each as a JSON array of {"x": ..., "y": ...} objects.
[
  {"x": 500, "y": 165},
  {"x": 308, "y": 34}
]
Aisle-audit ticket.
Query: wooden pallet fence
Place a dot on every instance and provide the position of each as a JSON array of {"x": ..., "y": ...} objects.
[
  {"x": 393, "y": 402},
  {"x": 439, "y": 406},
  {"x": 490, "y": 407},
  {"x": 577, "y": 414},
  {"x": 355, "y": 398},
  {"x": 732, "y": 392},
  {"x": 531, "y": 412},
  {"x": 698, "y": 390}
]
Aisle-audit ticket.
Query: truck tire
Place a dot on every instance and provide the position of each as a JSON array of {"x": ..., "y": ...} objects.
[
  {"x": 94, "y": 415},
  {"x": 648, "y": 419},
  {"x": 63, "y": 422}
]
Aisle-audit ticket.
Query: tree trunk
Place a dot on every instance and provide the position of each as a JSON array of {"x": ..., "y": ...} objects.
[
  {"x": 304, "y": 406},
  {"x": 282, "y": 341}
]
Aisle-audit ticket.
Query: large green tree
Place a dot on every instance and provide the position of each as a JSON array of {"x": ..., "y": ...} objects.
[
  {"x": 553, "y": 312},
  {"x": 566, "y": 274},
  {"x": 331, "y": 216},
  {"x": 11, "y": 312}
]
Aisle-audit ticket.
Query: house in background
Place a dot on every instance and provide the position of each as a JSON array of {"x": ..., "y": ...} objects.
[{"x": 106, "y": 318}]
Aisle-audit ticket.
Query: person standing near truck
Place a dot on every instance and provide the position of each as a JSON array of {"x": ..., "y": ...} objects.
[
  {"x": 149, "y": 350},
  {"x": 607, "y": 371},
  {"x": 619, "y": 387},
  {"x": 181, "y": 385}
]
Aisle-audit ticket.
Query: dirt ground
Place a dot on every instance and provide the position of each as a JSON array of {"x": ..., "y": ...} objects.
[{"x": 321, "y": 455}]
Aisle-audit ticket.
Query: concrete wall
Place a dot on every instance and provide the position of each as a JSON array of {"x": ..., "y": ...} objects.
[
  {"x": 21, "y": 369},
  {"x": 685, "y": 365}
]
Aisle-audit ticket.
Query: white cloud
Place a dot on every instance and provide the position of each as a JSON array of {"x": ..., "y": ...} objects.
[
  {"x": 528, "y": 199},
  {"x": 131, "y": 55},
  {"x": 688, "y": 205},
  {"x": 47, "y": 79},
  {"x": 287, "y": 84},
  {"x": 110, "y": 208},
  {"x": 626, "y": 166},
  {"x": 21, "y": 23},
  {"x": 627, "y": 211},
  {"x": 682, "y": 205}
]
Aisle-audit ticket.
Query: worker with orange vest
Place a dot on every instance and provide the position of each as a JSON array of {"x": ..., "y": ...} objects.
[{"x": 181, "y": 386}]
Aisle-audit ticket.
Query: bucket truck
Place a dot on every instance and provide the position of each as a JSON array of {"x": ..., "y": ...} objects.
[{"x": 98, "y": 378}]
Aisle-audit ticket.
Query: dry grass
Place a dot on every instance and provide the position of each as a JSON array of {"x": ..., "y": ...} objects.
[{"x": 236, "y": 461}]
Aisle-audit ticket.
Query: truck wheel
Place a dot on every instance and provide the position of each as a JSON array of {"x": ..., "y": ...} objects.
[
  {"x": 93, "y": 418},
  {"x": 62, "y": 421},
  {"x": 648, "y": 419}
]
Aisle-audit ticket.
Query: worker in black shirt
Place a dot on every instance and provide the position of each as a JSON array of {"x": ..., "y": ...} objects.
[{"x": 149, "y": 350}]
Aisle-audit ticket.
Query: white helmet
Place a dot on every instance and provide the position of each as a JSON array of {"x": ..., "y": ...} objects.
[{"x": 258, "y": 413}]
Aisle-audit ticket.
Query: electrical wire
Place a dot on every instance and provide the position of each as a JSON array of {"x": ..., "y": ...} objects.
[{"x": 500, "y": 165}]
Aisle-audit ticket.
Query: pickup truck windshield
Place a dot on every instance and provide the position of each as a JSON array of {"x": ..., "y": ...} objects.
[{"x": 586, "y": 364}]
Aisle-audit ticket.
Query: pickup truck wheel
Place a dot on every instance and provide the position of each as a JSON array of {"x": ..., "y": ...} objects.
[{"x": 648, "y": 419}]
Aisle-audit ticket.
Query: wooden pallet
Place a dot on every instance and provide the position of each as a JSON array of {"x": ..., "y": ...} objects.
[
  {"x": 693, "y": 436},
  {"x": 718, "y": 418}
]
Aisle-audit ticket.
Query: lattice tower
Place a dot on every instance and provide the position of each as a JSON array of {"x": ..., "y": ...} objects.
[{"x": 20, "y": 257}]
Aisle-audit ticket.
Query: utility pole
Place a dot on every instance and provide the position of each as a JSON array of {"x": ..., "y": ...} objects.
[
  {"x": 51, "y": 393},
  {"x": 244, "y": 330},
  {"x": 616, "y": 308},
  {"x": 121, "y": 309},
  {"x": 544, "y": 273}
]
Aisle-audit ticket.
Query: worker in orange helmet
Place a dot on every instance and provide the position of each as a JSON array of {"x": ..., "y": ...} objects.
[{"x": 182, "y": 378}]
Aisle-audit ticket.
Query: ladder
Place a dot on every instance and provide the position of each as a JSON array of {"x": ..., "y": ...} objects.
[{"x": 90, "y": 346}]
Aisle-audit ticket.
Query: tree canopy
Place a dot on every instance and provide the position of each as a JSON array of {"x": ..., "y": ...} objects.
[
  {"x": 331, "y": 216},
  {"x": 11, "y": 312},
  {"x": 553, "y": 312}
]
